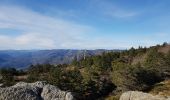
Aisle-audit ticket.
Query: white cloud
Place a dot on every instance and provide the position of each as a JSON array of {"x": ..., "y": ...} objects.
[{"x": 38, "y": 31}]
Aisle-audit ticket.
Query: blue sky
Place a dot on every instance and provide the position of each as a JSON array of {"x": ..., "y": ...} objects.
[{"x": 83, "y": 24}]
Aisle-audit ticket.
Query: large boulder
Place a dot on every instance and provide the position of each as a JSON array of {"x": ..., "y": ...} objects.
[
  {"x": 136, "y": 95},
  {"x": 34, "y": 91}
]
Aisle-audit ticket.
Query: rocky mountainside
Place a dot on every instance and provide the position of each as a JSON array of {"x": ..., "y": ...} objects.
[
  {"x": 34, "y": 91},
  {"x": 136, "y": 95}
]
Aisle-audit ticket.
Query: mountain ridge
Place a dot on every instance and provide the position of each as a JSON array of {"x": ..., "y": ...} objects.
[{"x": 25, "y": 58}]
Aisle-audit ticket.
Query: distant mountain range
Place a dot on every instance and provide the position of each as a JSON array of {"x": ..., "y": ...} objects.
[{"x": 25, "y": 58}]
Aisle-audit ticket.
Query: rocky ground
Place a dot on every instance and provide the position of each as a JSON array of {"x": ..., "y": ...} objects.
[
  {"x": 34, "y": 91},
  {"x": 136, "y": 95},
  {"x": 42, "y": 91}
]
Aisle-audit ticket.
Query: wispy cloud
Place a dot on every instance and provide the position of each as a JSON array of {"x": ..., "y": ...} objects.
[
  {"x": 38, "y": 31},
  {"x": 112, "y": 10},
  {"x": 162, "y": 34},
  {"x": 44, "y": 31},
  {"x": 120, "y": 14}
]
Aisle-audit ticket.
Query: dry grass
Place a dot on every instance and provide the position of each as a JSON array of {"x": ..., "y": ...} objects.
[
  {"x": 162, "y": 88},
  {"x": 165, "y": 49},
  {"x": 139, "y": 59},
  {"x": 20, "y": 78}
]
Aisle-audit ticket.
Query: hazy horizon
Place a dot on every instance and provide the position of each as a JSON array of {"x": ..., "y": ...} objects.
[{"x": 83, "y": 24}]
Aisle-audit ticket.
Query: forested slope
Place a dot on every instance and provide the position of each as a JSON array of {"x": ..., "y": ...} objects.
[{"x": 103, "y": 76}]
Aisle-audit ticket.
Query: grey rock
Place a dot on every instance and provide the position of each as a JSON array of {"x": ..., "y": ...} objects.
[
  {"x": 19, "y": 93},
  {"x": 34, "y": 91},
  {"x": 39, "y": 84},
  {"x": 51, "y": 93},
  {"x": 1, "y": 84},
  {"x": 69, "y": 96},
  {"x": 136, "y": 95}
]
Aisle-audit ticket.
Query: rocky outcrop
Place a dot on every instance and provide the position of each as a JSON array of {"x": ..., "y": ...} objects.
[
  {"x": 34, "y": 91},
  {"x": 136, "y": 95}
]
